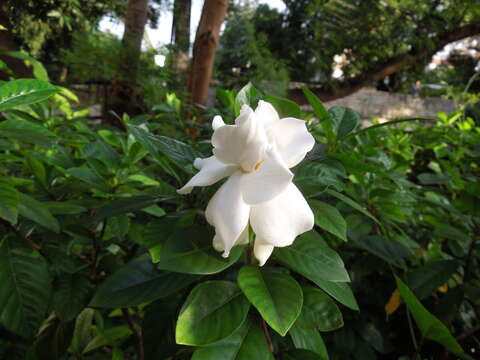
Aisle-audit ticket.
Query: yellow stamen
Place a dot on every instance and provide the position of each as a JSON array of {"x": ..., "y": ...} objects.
[{"x": 257, "y": 165}]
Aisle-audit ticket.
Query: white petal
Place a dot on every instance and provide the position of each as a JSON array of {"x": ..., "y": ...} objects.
[
  {"x": 279, "y": 221},
  {"x": 292, "y": 139},
  {"x": 243, "y": 144},
  {"x": 228, "y": 213},
  {"x": 217, "y": 122},
  {"x": 271, "y": 178},
  {"x": 211, "y": 171},
  {"x": 266, "y": 112},
  {"x": 262, "y": 251}
]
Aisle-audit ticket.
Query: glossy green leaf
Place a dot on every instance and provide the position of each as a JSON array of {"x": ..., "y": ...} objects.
[
  {"x": 302, "y": 354},
  {"x": 430, "y": 327},
  {"x": 246, "y": 343},
  {"x": 426, "y": 279},
  {"x": 53, "y": 338},
  {"x": 346, "y": 120},
  {"x": 340, "y": 291},
  {"x": 37, "y": 212},
  {"x": 351, "y": 203},
  {"x": 276, "y": 295},
  {"x": 320, "y": 112},
  {"x": 84, "y": 173},
  {"x": 178, "y": 152},
  {"x": 70, "y": 296},
  {"x": 285, "y": 107},
  {"x": 329, "y": 218},
  {"x": 125, "y": 205},
  {"x": 190, "y": 251},
  {"x": 111, "y": 336},
  {"x": 138, "y": 282},
  {"x": 25, "y": 288},
  {"x": 22, "y": 130},
  {"x": 24, "y": 92},
  {"x": 389, "y": 250},
  {"x": 64, "y": 208},
  {"x": 82, "y": 330},
  {"x": 308, "y": 339},
  {"x": 248, "y": 95},
  {"x": 319, "y": 311},
  {"x": 9, "y": 202},
  {"x": 310, "y": 256},
  {"x": 212, "y": 312}
]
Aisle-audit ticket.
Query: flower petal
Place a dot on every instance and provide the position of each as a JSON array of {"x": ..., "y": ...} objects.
[
  {"x": 279, "y": 221},
  {"x": 292, "y": 139},
  {"x": 242, "y": 144},
  {"x": 271, "y": 178},
  {"x": 228, "y": 213},
  {"x": 211, "y": 171},
  {"x": 217, "y": 122},
  {"x": 266, "y": 112},
  {"x": 262, "y": 251}
]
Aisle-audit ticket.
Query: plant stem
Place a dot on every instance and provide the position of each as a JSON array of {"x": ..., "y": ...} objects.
[
  {"x": 137, "y": 332},
  {"x": 267, "y": 336}
]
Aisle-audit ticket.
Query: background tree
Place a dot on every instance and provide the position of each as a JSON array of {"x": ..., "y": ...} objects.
[{"x": 204, "y": 48}]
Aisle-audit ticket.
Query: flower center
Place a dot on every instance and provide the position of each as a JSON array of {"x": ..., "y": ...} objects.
[{"x": 257, "y": 165}]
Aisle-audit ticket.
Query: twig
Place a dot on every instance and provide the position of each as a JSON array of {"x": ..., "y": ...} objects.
[
  {"x": 412, "y": 333},
  {"x": 25, "y": 238},
  {"x": 468, "y": 332},
  {"x": 137, "y": 332},
  {"x": 267, "y": 335}
]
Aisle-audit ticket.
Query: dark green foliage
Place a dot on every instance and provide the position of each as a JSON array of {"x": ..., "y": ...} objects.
[{"x": 97, "y": 250}]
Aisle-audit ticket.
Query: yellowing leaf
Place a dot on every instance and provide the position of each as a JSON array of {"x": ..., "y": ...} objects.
[
  {"x": 393, "y": 303},
  {"x": 443, "y": 289}
]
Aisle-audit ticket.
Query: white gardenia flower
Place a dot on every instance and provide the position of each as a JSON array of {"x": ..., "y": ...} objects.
[{"x": 257, "y": 153}]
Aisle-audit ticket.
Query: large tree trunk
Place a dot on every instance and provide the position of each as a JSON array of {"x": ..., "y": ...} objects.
[
  {"x": 206, "y": 42},
  {"x": 7, "y": 43},
  {"x": 181, "y": 34},
  {"x": 392, "y": 66},
  {"x": 124, "y": 97}
]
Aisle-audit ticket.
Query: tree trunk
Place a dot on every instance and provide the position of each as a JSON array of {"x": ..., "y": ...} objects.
[
  {"x": 181, "y": 34},
  {"x": 206, "y": 41},
  {"x": 8, "y": 43},
  {"x": 124, "y": 86}
]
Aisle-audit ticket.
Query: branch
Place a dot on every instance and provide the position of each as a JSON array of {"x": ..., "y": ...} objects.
[
  {"x": 137, "y": 333},
  {"x": 391, "y": 66}
]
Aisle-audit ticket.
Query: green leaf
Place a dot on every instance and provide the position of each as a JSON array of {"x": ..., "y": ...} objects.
[
  {"x": 246, "y": 343},
  {"x": 430, "y": 327},
  {"x": 64, "y": 208},
  {"x": 138, "y": 282},
  {"x": 285, "y": 107},
  {"x": 24, "y": 92},
  {"x": 22, "y": 130},
  {"x": 302, "y": 354},
  {"x": 178, "y": 152},
  {"x": 340, "y": 291},
  {"x": 212, "y": 312},
  {"x": 70, "y": 296},
  {"x": 320, "y": 112},
  {"x": 82, "y": 330},
  {"x": 426, "y": 279},
  {"x": 110, "y": 337},
  {"x": 310, "y": 256},
  {"x": 352, "y": 204},
  {"x": 85, "y": 174},
  {"x": 25, "y": 289},
  {"x": 433, "y": 179},
  {"x": 319, "y": 311},
  {"x": 53, "y": 338},
  {"x": 329, "y": 218},
  {"x": 346, "y": 120},
  {"x": 39, "y": 70},
  {"x": 276, "y": 295},
  {"x": 389, "y": 250},
  {"x": 125, "y": 205},
  {"x": 248, "y": 95},
  {"x": 9, "y": 202},
  {"x": 190, "y": 251},
  {"x": 37, "y": 212},
  {"x": 308, "y": 339}
]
